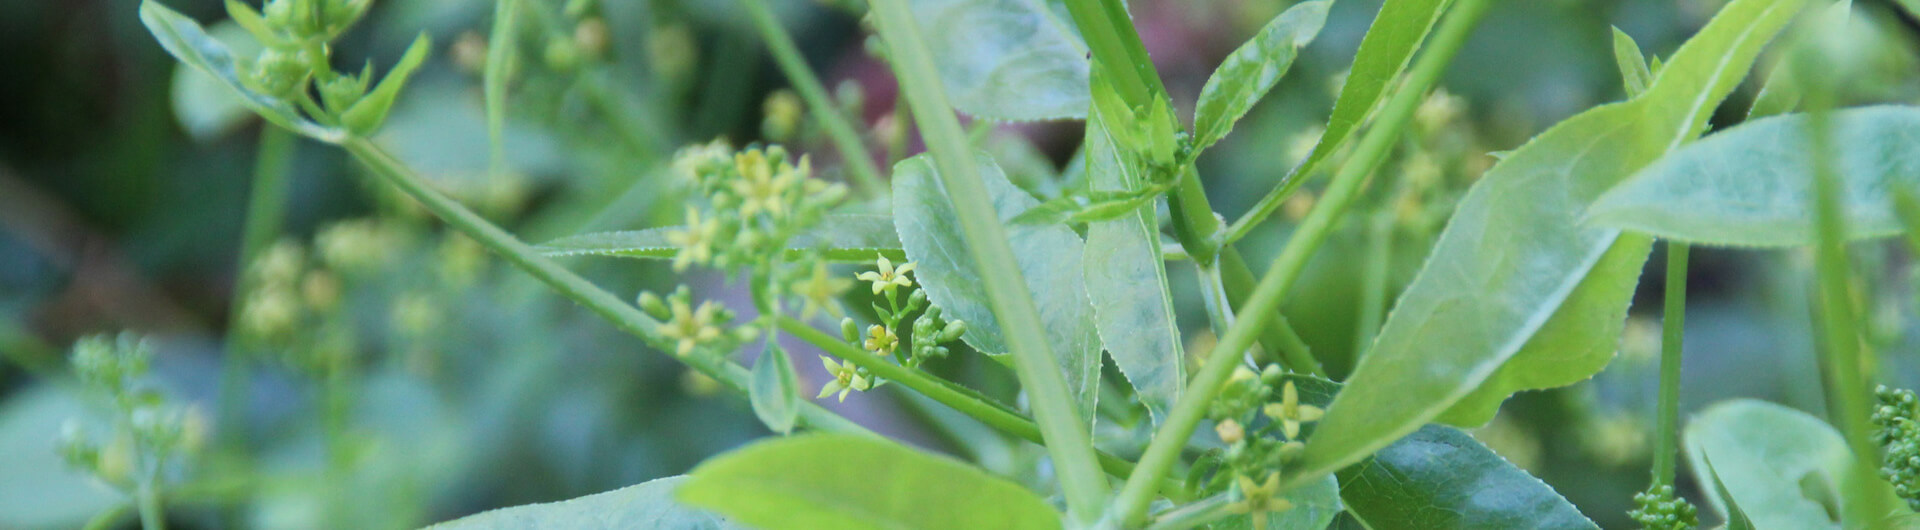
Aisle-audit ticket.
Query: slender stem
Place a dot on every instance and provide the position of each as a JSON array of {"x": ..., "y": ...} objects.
[
  {"x": 1062, "y": 428},
  {"x": 1673, "y": 322},
  {"x": 853, "y": 149},
  {"x": 1373, "y": 280},
  {"x": 1193, "y": 515},
  {"x": 1279, "y": 335},
  {"x": 623, "y": 316},
  {"x": 500, "y": 63},
  {"x": 266, "y": 207},
  {"x": 1907, "y": 207},
  {"x": 1168, "y": 443},
  {"x": 152, "y": 516}
]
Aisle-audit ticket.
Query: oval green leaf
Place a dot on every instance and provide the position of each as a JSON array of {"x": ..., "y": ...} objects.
[
  {"x": 646, "y": 505},
  {"x": 1516, "y": 250},
  {"x": 1050, "y": 262},
  {"x": 1748, "y": 185},
  {"x": 775, "y": 389},
  {"x": 857, "y": 482},
  {"x": 1253, "y": 69},
  {"x": 1780, "y": 466},
  {"x": 188, "y": 42},
  {"x": 1006, "y": 59},
  {"x": 839, "y": 237}
]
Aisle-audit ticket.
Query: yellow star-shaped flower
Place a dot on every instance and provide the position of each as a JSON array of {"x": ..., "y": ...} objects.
[
  {"x": 762, "y": 189},
  {"x": 845, "y": 379},
  {"x": 690, "y": 327},
  {"x": 820, "y": 290},
  {"x": 881, "y": 340},
  {"x": 888, "y": 277},
  {"x": 695, "y": 240},
  {"x": 1290, "y": 413},
  {"x": 1260, "y": 499}
]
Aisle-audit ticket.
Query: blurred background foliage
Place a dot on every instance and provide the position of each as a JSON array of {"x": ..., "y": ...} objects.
[{"x": 379, "y": 372}]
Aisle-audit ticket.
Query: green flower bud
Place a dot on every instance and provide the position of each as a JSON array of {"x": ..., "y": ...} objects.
[
  {"x": 281, "y": 73},
  {"x": 953, "y": 331},
  {"x": 849, "y": 330},
  {"x": 654, "y": 306},
  {"x": 562, "y": 55},
  {"x": 342, "y": 92},
  {"x": 783, "y": 112}
]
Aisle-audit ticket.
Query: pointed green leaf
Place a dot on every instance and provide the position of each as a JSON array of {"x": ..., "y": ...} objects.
[
  {"x": 1516, "y": 250},
  {"x": 1253, "y": 69},
  {"x": 1127, "y": 283},
  {"x": 188, "y": 42},
  {"x": 858, "y": 482},
  {"x": 366, "y": 115},
  {"x": 1748, "y": 185},
  {"x": 775, "y": 389},
  {"x": 1006, "y": 59},
  {"x": 840, "y": 237},
  {"x": 1384, "y": 53},
  {"x": 1736, "y": 517},
  {"x": 646, "y": 505},
  {"x": 1050, "y": 261},
  {"x": 1783, "y": 468},
  {"x": 205, "y": 107},
  {"x": 1632, "y": 64}
]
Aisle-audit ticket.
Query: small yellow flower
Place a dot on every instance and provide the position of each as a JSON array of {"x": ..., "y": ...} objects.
[
  {"x": 820, "y": 290},
  {"x": 1290, "y": 413},
  {"x": 845, "y": 379},
  {"x": 1261, "y": 499},
  {"x": 695, "y": 241},
  {"x": 760, "y": 187},
  {"x": 689, "y": 326},
  {"x": 880, "y": 340},
  {"x": 888, "y": 276}
]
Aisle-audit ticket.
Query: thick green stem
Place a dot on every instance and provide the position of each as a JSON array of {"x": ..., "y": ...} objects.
[
  {"x": 1666, "y": 446},
  {"x": 1064, "y": 431},
  {"x": 1378, "y": 141},
  {"x": 623, "y": 316},
  {"x": 853, "y": 149}
]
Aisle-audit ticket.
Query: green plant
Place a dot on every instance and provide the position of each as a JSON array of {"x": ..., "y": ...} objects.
[{"x": 1527, "y": 287}]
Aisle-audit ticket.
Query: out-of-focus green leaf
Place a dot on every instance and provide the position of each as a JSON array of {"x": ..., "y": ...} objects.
[
  {"x": 1516, "y": 250},
  {"x": 1396, "y": 32},
  {"x": 840, "y": 237},
  {"x": 189, "y": 43},
  {"x": 1736, "y": 517},
  {"x": 1632, "y": 64},
  {"x": 1050, "y": 262},
  {"x": 1254, "y": 68},
  {"x": 1782, "y": 467},
  {"x": 1748, "y": 185},
  {"x": 366, "y": 115},
  {"x": 204, "y": 106},
  {"x": 1439, "y": 478},
  {"x": 37, "y": 489},
  {"x": 646, "y": 505},
  {"x": 1006, "y": 59},
  {"x": 1127, "y": 284},
  {"x": 854, "y": 482},
  {"x": 775, "y": 392},
  {"x": 1781, "y": 92}
]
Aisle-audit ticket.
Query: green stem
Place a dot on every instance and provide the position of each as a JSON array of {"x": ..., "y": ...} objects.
[
  {"x": 1279, "y": 335},
  {"x": 866, "y": 175},
  {"x": 1907, "y": 206},
  {"x": 266, "y": 207},
  {"x": 152, "y": 516},
  {"x": 1373, "y": 280},
  {"x": 1063, "y": 430},
  {"x": 1168, "y": 443},
  {"x": 1193, "y": 515},
  {"x": 623, "y": 316},
  {"x": 1673, "y": 322},
  {"x": 500, "y": 63}
]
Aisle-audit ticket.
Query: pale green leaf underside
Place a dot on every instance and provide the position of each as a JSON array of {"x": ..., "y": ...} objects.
[
  {"x": 204, "y": 105},
  {"x": 185, "y": 39},
  {"x": 1127, "y": 284},
  {"x": 1749, "y": 185},
  {"x": 646, "y": 505},
  {"x": 858, "y": 482},
  {"x": 1246, "y": 75},
  {"x": 1050, "y": 261},
  {"x": 1516, "y": 250},
  {"x": 840, "y": 237},
  {"x": 1440, "y": 478},
  {"x": 1769, "y": 457},
  {"x": 774, "y": 390},
  {"x": 1006, "y": 59}
]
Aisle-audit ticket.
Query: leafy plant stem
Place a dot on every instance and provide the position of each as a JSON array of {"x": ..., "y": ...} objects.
[
  {"x": 1378, "y": 141},
  {"x": 1373, "y": 280},
  {"x": 866, "y": 175},
  {"x": 266, "y": 207},
  {"x": 1065, "y": 433},
  {"x": 1673, "y": 322},
  {"x": 623, "y": 316}
]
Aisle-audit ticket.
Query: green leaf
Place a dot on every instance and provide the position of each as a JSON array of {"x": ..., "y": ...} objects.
[
  {"x": 1384, "y": 53},
  {"x": 1253, "y": 69},
  {"x": 1516, "y": 251},
  {"x": 37, "y": 488},
  {"x": 365, "y": 116},
  {"x": 855, "y": 482},
  {"x": 775, "y": 389},
  {"x": 1782, "y": 467},
  {"x": 1748, "y": 185},
  {"x": 841, "y": 237},
  {"x": 646, "y": 505},
  {"x": 1006, "y": 59},
  {"x": 204, "y": 106},
  {"x": 1050, "y": 261},
  {"x": 1440, "y": 478},
  {"x": 1736, "y": 517},
  {"x": 1314, "y": 507},
  {"x": 1127, "y": 284},
  {"x": 1633, "y": 64},
  {"x": 1096, "y": 205},
  {"x": 1781, "y": 92},
  {"x": 189, "y": 43}
]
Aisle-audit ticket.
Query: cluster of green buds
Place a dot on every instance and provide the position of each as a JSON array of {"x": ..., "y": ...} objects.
[
  {"x": 1896, "y": 424},
  {"x": 1659, "y": 508},
  {"x": 295, "y": 62},
  {"x": 148, "y": 433},
  {"x": 693, "y": 328},
  {"x": 1259, "y": 418},
  {"x": 927, "y": 331},
  {"x": 756, "y": 201}
]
